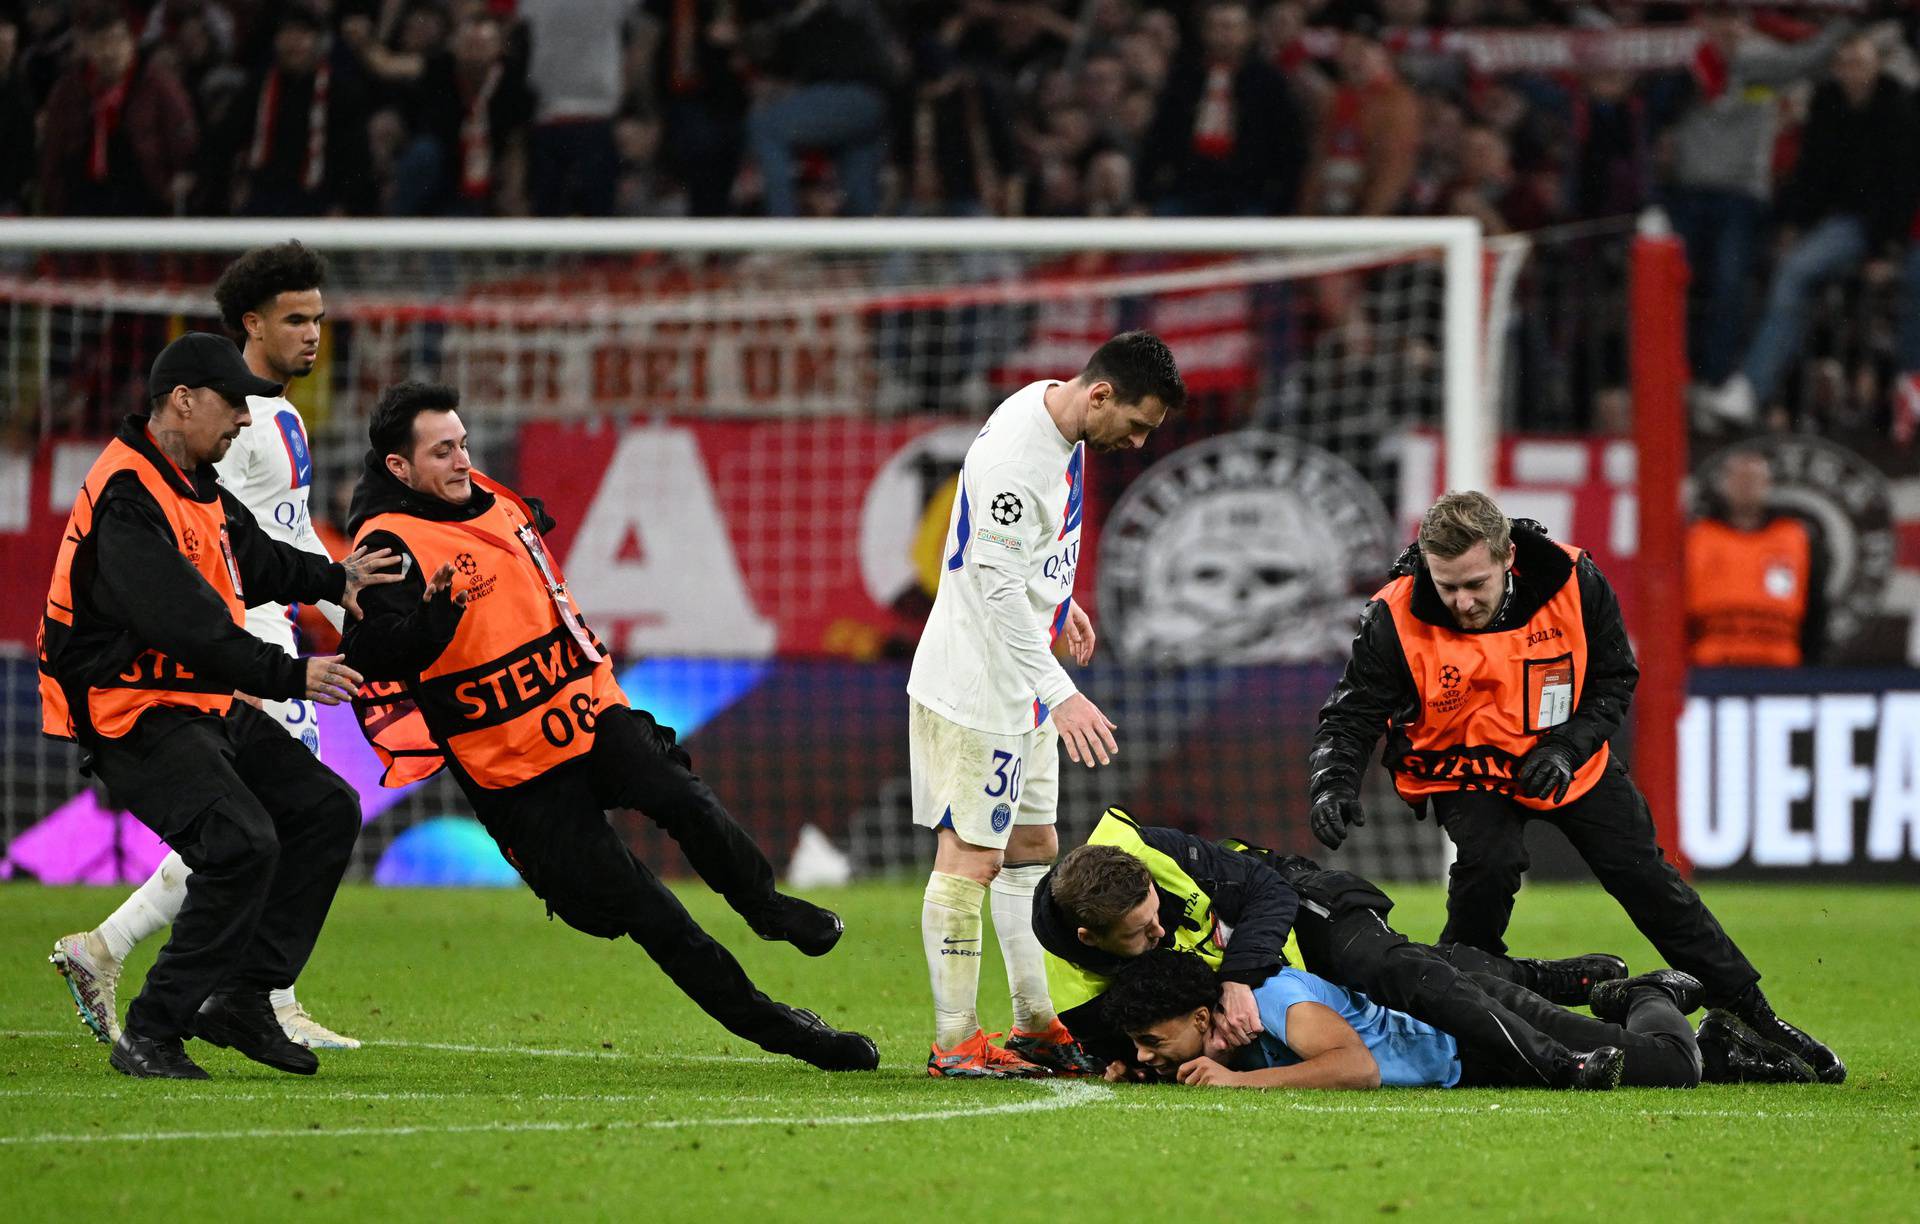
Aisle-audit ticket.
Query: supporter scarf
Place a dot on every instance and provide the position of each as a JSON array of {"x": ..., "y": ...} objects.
[
  {"x": 1710, "y": 70},
  {"x": 1213, "y": 124},
  {"x": 107, "y": 104},
  {"x": 313, "y": 167},
  {"x": 476, "y": 140}
]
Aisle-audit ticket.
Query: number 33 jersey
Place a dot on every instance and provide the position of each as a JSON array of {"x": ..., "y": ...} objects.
[{"x": 1016, "y": 523}]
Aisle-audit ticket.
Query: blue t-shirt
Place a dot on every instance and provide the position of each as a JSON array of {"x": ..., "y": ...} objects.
[{"x": 1410, "y": 1053}]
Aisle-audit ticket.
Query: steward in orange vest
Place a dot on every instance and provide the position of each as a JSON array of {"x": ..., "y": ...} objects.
[
  {"x": 1539, "y": 686},
  {"x": 1756, "y": 579},
  {"x": 1496, "y": 664},
  {"x": 142, "y": 649},
  {"x": 1749, "y": 593},
  {"x": 481, "y": 659}
]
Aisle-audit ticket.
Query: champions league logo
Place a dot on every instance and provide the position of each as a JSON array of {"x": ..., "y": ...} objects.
[
  {"x": 1249, "y": 547},
  {"x": 1850, "y": 505}
]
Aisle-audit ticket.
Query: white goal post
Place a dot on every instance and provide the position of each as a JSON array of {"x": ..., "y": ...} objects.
[{"x": 750, "y": 431}]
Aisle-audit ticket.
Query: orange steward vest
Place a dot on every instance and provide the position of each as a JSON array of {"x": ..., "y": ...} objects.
[
  {"x": 112, "y": 706},
  {"x": 1747, "y": 593},
  {"x": 519, "y": 689},
  {"x": 1487, "y": 698}
]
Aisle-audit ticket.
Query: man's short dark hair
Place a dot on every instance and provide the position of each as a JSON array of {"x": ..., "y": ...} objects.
[
  {"x": 264, "y": 273},
  {"x": 1095, "y": 886},
  {"x": 391, "y": 430},
  {"x": 1159, "y": 986},
  {"x": 1138, "y": 364}
]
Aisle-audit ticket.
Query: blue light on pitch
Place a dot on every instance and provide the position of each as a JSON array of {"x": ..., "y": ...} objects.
[
  {"x": 686, "y": 694},
  {"x": 445, "y": 852}
]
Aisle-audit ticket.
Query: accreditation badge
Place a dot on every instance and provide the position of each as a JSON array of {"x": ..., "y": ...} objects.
[{"x": 1549, "y": 692}]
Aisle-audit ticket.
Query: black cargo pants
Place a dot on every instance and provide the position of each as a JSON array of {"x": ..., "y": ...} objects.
[
  {"x": 267, "y": 831},
  {"x": 554, "y": 831},
  {"x": 1613, "y": 832}
]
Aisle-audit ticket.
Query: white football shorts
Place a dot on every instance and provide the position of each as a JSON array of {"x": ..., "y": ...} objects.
[
  {"x": 299, "y": 718},
  {"x": 978, "y": 784}
]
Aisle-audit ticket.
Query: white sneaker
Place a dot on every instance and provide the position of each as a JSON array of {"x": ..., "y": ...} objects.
[
  {"x": 303, "y": 1030},
  {"x": 92, "y": 977},
  {"x": 1731, "y": 404}
]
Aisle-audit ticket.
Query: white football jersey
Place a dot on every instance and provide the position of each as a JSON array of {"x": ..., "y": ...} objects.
[
  {"x": 269, "y": 468},
  {"x": 1018, "y": 510}
]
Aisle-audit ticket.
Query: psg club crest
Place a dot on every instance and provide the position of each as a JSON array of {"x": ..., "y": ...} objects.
[{"x": 1248, "y": 547}]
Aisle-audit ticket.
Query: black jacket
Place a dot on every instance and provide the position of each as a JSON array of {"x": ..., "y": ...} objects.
[
  {"x": 1856, "y": 162},
  {"x": 1376, "y": 691},
  {"x": 1270, "y": 145},
  {"x": 1246, "y": 894},
  {"x": 399, "y": 633},
  {"x": 133, "y": 590}
]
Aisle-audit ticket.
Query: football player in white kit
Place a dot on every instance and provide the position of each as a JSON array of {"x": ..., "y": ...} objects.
[
  {"x": 990, "y": 705},
  {"x": 271, "y": 298}
]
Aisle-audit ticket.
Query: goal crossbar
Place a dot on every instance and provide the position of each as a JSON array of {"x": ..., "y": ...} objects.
[{"x": 1469, "y": 423}]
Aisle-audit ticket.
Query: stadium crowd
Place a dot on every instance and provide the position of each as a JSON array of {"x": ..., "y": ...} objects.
[{"x": 1765, "y": 135}]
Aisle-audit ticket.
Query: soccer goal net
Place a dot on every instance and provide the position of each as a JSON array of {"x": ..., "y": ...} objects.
[{"x": 749, "y": 433}]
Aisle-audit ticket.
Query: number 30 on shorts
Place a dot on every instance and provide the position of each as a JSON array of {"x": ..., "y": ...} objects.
[{"x": 1005, "y": 781}]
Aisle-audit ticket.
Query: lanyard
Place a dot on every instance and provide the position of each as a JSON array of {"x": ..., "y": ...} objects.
[{"x": 557, "y": 591}]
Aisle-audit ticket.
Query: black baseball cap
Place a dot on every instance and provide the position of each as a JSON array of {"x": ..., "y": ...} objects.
[{"x": 202, "y": 359}]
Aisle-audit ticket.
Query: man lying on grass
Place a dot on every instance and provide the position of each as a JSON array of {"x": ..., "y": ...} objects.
[{"x": 1318, "y": 1035}]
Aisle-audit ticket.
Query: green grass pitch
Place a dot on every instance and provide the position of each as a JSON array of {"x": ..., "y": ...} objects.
[{"x": 517, "y": 1069}]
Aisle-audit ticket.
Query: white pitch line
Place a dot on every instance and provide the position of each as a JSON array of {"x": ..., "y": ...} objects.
[
  {"x": 1058, "y": 1096},
  {"x": 294, "y": 1096},
  {"x": 535, "y": 1052},
  {"x": 72, "y": 1032},
  {"x": 458, "y": 1048},
  {"x": 1494, "y": 1110}
]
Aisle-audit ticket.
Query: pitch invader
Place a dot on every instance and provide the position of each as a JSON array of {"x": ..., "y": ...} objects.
[
  {"x": 990, "y": 705},
  {"x": 271, "y": 298}
]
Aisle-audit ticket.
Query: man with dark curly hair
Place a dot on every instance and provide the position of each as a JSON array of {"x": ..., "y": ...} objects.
[
  {"x": 1318, "y": 1035},
  {"x": 270, "y": 299}
]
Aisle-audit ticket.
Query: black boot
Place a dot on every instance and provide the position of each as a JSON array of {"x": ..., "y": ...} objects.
[
  {"x": 153, "y": 1058},
  {"x": 1599, "y": 1070},
  {"x": 1612, "y": 1000},
  {"x": 245, "y": 1022},
  {"x": 1732, "y": 1053},
  {"x": 815, "y": 1041},
  {"x": 1753, "y": 1008},
  {"x": 1568, "y": 982},
  {"x": 803, "y": 924}
]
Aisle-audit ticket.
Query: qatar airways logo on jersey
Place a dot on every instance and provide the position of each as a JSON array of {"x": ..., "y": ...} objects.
[{"x": 1061, "y": 565}]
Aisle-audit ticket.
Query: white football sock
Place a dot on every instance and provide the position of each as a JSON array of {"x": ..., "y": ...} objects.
[
  {"x": 1020, "y": 948},
  {"x": 153, "y": 905},
  {"x": 950, "y": 932},
  {"x": 282, "y": 998}
]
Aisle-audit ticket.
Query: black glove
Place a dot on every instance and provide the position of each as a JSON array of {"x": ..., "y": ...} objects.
[
  {"x": 1546, "y": 772},
  {"x": 1331, "y": 818}
]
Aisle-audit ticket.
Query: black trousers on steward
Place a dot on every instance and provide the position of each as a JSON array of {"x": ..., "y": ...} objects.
[
  {"x": 1660, "y": 1049},
  {"x": 268, "y": 831},
  {"x": 554, "y": 831},
  {"x": 1443, "y": 986},
  {"x": 1613, "y": 832}
]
